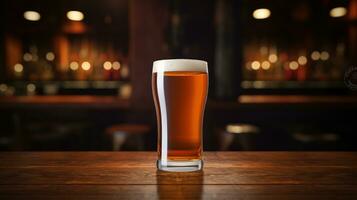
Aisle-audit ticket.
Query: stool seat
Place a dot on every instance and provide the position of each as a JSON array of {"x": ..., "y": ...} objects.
[
  {"x": 241, "y": 128},
  {"x": 241, "y": 132}
]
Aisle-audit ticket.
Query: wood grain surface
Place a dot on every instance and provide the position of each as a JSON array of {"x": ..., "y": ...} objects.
[{"x": 133, "y": 175}]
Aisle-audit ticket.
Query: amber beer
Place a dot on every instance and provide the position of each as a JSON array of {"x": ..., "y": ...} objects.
[{"x": 180, "y": 90}]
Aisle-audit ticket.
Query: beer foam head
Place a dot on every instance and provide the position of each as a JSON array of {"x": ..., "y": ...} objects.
[{"x": 172, "y": 65}]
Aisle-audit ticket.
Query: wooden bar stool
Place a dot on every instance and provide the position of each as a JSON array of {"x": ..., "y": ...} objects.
[
  {"x": 121, "y": 132},
  {"x": 238, "y": 133}
]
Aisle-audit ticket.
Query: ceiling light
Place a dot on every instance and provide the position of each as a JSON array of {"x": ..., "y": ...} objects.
[
  {"x": 261, "y": 13},
  {"x": 32, "y": 15},
  {"x": 338, "y": 12},
  {"x": 75, "y": 15}
]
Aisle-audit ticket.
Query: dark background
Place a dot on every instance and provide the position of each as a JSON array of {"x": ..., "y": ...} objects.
[{"x": 49, "y": 106}]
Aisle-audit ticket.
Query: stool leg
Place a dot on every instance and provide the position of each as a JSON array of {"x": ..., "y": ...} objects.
[
  {"x": 118, "y": 140},
  {"x": 226, "y": 141},
  {"x": 246, "y": 142}
]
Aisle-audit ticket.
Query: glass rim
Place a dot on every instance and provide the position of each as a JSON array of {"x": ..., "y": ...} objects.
[{"x": 180, "y": 65}]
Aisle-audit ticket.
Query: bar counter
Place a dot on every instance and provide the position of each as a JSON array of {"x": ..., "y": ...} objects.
[
  {"x": 117, "y": 102},
  {"x": 85, "y": 101},
  {"x": 133, "y": 175}
]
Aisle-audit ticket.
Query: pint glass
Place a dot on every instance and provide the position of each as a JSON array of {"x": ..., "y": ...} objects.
[{"x": 180, "y": 89}]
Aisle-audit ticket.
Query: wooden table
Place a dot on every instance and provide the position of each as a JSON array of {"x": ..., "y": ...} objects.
[{"x": 133, "y": 175}]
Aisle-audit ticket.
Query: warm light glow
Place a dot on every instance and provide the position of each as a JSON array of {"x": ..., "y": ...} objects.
[
  {"x": 273, "y": 58},
  {"x": 18, "y": 68},
  {"x": 27, "y": 57},
  {"x": 86, "y": 66},
  {"x": 32, "y": 15},
  {"x": 302, "y": 60},
  {"x": 31, "y": 87},
  {"x": 261, "y": 13},
  {"x": 324, "y": 55},
  {"x": 116, "y": 65},
  {"x": 315, "y": 55},
  {"x": 124, "y": 72},
  {"x": 293, "y": 65},
  {"x": 125, "y": 91},
  {"x": 338, "y": 12},
  {"x": 34, "y": 57},
  {"x": 265, "y": 65},
  {"x": 107, "y": 65},
  {"x": 255, "y": 65},
  {"x": 50, "y": 56},
  {"x": 263, "y": 50},
  {"x": 248, "y": 65},
  {"x": 73, "y": 66},
  {"x": 75, "y": 15},
  {"x": 3, "y": 87}
]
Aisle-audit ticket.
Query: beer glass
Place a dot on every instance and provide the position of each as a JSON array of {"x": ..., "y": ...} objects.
[{"x": 180, "y": 89}]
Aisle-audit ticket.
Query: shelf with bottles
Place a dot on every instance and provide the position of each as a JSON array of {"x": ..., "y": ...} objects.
[
  {"x": 40, "y": 88},
  {"x": 76, "y": 60},
  {"x": 67, "y": 65},
  {"x": 267, "y": 66}
]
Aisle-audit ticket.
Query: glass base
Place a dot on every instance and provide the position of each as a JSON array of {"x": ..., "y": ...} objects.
[{"x": 181, "y": 166}]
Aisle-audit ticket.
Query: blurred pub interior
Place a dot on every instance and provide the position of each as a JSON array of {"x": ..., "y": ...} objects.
[{"x": 76, "y": 75}]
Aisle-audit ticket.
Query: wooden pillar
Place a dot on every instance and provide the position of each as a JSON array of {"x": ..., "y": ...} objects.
[
  {"x": 352, "y": 10},
  {"x": 227, "y": 55},
  {"x": 61, "y": 49},
  {"x": 147, "y": 22},
  {"x": 13, "y": 53}
]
